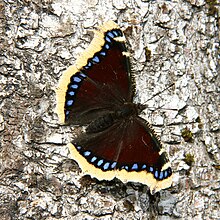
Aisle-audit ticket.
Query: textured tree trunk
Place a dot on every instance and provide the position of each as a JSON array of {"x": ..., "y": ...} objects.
[{"x": 170, "y": 42}]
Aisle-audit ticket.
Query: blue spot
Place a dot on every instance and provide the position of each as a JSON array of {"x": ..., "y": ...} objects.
[
  {"x": 93, "y": 159},
  {"x": 103, "y": 53},
  {"x": 96, "y": 59},
  {"x": 67, "y": 112},
  {"x": 161, "y": 175},
  {"x": 134, "y": 167},
  {"x": 106, "y": 46},
  {"x": 100, "y": 162},
  {"x": 107, "y": 39},
  {"x": 106, "y": 166},
  {"x": 156, "y": 174},
  {"x": 89, "y": 64},
  {"x": 77, "y": 79},
  {"x": 169, "y": 171},
  {"x": 74, "y": 86},
  {"x": 151, "y": 169},
  {"x": 110, "y": 34},
  {"x": 124, "y": 167},
  {"x": 115, "y": 33},
  {"x": 69, "y": 102},
  {"x": 86, "y": 153},
  {"x": 120, "y": 33},
  {"x": 113, "y": 165},
  {"x": 82, "y": 74},
  {"x": 165, "y": 174},
  {"x": 78, "y": 147},
  {"x": 71, "y": 93},
  {"x": 144, "y": 167}
]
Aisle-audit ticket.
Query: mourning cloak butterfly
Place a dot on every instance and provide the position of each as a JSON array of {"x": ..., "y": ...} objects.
[{"x": 98, "y": 93}]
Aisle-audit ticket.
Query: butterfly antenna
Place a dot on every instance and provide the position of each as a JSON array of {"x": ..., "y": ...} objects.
[{"x": 156, "y": 94}]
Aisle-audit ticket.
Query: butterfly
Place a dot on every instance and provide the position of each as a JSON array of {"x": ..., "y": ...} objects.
[{"x": 98, "y": 92}]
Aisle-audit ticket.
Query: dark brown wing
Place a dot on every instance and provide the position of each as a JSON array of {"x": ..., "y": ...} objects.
[
  {"x": 129, "y": 150},
  {"x": 102, "y": 81}
]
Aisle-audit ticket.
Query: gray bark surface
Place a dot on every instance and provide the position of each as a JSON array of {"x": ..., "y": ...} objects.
[{"x": 40, "y": 39}]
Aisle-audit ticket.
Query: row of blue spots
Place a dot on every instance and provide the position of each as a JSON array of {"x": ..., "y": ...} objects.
[
  {"x": 94, "y": 160},
  {"x": 160, "y": 174},
  {"x": 157, "y": 174},
  {"x": 163, "y": 174},
  {"x": 107, "y": 165},
  {"x": 76, "y": 79},
  {"x": 109, "y": 36},
  {"x": 114, "y": 33},
  {"x": 71, "y": 93},
  {"x": 137, "y": 167},
  {"x": 101, "y": 162}
]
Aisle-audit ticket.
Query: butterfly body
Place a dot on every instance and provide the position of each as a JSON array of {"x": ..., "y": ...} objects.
[
  {"x": 98, "y": 93},
  {"x": 124, "y": 112}
]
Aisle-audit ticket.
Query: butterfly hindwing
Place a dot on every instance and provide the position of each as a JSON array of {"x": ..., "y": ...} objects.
[{"x": 126, "y": 151}]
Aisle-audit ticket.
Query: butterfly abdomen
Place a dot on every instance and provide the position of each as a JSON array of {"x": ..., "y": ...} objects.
[
  {"x": 105, "y": 121},
  {"x": 101, "y": 123}
]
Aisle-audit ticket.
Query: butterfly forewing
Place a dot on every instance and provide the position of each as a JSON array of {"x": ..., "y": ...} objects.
[{"x": 102, "y": 84}]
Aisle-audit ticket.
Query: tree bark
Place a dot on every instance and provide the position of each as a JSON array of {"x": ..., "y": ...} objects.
[{"x": 170, "y": 42}]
